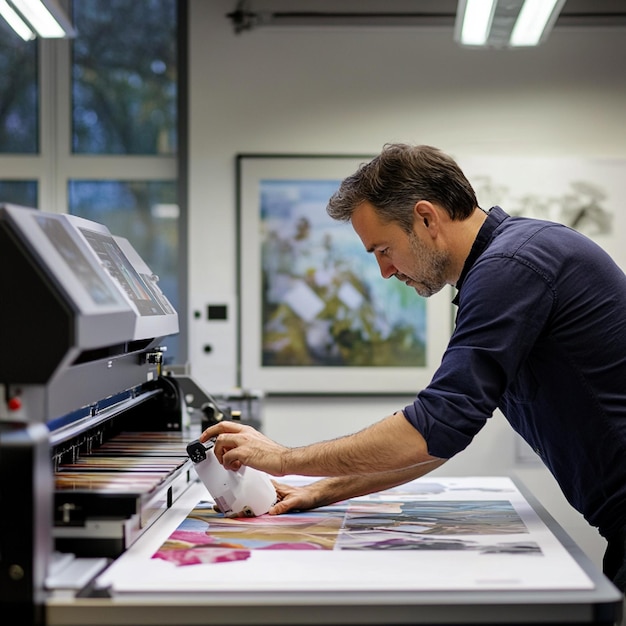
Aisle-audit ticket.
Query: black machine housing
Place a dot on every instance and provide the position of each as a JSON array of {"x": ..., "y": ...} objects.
[{"x": 81, "y": 326}]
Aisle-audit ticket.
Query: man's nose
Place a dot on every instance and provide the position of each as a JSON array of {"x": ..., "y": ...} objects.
[{"x": 387, "y": 269}]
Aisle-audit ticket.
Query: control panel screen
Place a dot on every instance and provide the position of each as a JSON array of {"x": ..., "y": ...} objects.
[
  {"x": 120, "y": 268},
  {"x": 101, "y": 292}
]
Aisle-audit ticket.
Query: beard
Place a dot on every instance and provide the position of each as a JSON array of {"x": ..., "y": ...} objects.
[{"x": 428, "y": 269}]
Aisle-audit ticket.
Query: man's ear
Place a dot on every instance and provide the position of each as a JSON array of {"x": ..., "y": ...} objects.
[{"x": 426, "y": 215}]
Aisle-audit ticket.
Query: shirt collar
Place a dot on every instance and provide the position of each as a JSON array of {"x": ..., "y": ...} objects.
[{"x": 495, "y": 217}]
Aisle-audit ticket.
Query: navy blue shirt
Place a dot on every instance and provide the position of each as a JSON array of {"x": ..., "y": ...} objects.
[{"x": 540, "y": 334}]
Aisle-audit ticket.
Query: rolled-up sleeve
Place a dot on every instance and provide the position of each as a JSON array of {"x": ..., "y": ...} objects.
[{"x": 503, "y": 305}]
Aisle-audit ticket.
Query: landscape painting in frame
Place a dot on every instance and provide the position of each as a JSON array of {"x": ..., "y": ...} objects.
[{"x": 316, "y": 316}]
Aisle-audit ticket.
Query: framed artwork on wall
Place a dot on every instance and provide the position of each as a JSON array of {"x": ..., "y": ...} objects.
[
  {"x": 583, "y": 193},
  {"x": 315, "y": 315}
]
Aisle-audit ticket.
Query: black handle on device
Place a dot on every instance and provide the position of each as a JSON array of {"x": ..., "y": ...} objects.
[{"x": 196, "y": 451}]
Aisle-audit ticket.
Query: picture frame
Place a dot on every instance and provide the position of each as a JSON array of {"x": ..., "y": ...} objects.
[{"x": 315, "y": 315}]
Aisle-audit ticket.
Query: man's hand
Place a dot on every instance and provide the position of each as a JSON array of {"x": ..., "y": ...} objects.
[
  {"x": 302, "y": 498},
  {"x": 238, "y": 444}
]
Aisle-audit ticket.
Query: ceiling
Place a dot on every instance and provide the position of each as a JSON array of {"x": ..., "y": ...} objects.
[{"x": 248, "y": 14}]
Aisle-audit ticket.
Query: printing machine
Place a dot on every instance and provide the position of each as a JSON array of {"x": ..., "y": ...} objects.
[
  {"x": 93, "y": 463},
  {"x": 81, "y": 324}
]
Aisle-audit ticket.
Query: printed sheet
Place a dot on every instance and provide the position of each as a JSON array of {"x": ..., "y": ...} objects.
[{"x": 432, "y": 534}]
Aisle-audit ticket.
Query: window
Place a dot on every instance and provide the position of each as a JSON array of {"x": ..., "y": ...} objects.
[
  {"x": 90, "y": 126},
  {"x": 124, "y": 77},
  {"x": 23, "y": 192},
  {"x": 19, "y": 93}
]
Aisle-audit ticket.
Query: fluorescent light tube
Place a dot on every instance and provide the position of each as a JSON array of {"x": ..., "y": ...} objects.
[
  {"x": 45, "y": 16},
  {"x": 15, "y": 21},
  {"x": 476, "y": 21},
  {"x": 532, "y": 22}
]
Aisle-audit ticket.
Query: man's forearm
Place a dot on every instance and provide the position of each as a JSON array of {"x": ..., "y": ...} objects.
[
  {"x": 334, "y": 489},
  {"x": 389, "y": 445},
  {"x": 386, "y": 446}
]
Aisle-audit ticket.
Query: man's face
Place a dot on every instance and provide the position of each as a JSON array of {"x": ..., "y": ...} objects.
[{"x": 412, "y": 257}]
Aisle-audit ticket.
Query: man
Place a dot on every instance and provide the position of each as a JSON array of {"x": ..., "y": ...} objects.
[{"x": 540, "y": 334}]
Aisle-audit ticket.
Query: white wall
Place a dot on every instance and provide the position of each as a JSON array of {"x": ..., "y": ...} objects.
[{"x": 350, "y": 90}]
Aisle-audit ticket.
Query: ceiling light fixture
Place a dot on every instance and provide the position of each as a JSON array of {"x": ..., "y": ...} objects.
[
  {"x": 505, "y": 23},
  {"x": 46, "y": 18},
  {"x": 15, "y": 21},
  {"x": 475, "y": 21}
]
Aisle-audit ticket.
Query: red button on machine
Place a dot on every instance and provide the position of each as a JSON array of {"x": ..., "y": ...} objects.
[{"x": 14, "y": 404}]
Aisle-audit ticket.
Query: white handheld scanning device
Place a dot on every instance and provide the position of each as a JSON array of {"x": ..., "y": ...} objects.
[{"x": 245, "y": 492}]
